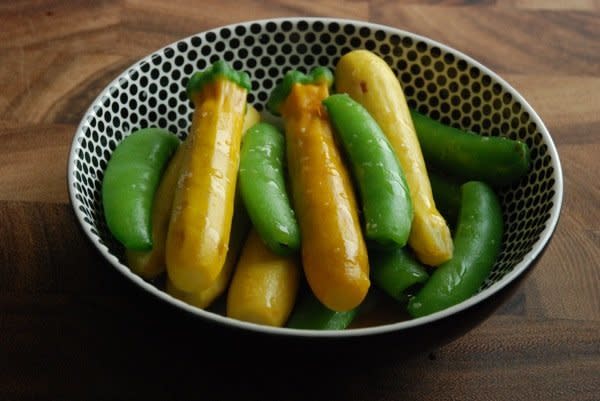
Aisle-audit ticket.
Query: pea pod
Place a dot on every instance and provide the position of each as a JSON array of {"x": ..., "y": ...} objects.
[
  {"x": 446, "y": 192},
  {"x": 263, "y": 188},
  {"x": 310, "y": 314},
  {"x": 130, "y": 181},
  {"x": 385, "y": 196},
  {"x": 200, "y": 224},
  {"x": 334, "y": 253},
  {"x": 369, "y": 80},
  {"x": 264, "y": 285},
  {"x": 497, "y": 161},
  {"x": 149, "y": 264},
  {"x": 477, "y": 242},
  {"x": 396, "y": 272}
]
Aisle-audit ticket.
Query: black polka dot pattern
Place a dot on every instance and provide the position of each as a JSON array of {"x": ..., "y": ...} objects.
[{"x": 437, "y": 82}]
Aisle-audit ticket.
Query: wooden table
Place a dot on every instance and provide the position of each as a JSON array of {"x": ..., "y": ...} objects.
[{"x": 72, "y": 328}]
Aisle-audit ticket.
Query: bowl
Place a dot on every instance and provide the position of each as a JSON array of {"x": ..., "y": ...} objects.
[{"x": 437, "y": 80}]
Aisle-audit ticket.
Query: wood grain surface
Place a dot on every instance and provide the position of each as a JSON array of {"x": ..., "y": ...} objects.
[{"x": 72, "y": 328}]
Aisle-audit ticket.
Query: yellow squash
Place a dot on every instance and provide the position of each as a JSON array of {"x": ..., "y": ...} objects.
[
  {"x": 150, "y": 264},
  {"x": 264, "y": 285},
  {"x": 334, "y": 253},
  {"x": 370, "y": 81},
  {"x": 200, "y": 222}
]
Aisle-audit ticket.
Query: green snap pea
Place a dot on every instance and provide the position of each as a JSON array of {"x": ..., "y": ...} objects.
[
  {"x": 384, "y": 193},
  {"x": 497, "y": 161},
  {"x": 477, "y": 242},
  {"x": 396, "y": 272},
  {"x": 130, "y": 181},
  {"x": 446, "y": 193},
  {"x": 263, "y": 188},
  {"x": 310, "y": 314}
]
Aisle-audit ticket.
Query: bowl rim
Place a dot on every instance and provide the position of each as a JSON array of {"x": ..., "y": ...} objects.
[{"x": 509, "y": 277}]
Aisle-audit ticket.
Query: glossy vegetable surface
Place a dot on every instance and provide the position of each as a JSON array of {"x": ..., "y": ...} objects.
[
  {"x": 396, "y": 272},
  {"x": 130, "y": 181},
  {"x": 371, "y": 82},
  {"x": 264, "y": 286},
  {"x": 386, "y": 203},
  {"x": 149, "y": 264},
  {"x": 310, "y": 314},
  {"x": 334, "y": 253},
  {"x": 200, "y": 223},
  {"x": 240, "y": 227},
  {"x": 262, "y": 180},
  {"x": 497, "y": 161},
  {"x": 477, "y": 242}
]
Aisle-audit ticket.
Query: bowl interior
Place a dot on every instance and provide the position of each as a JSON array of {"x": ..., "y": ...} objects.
[{"x": 437, "y": 80}]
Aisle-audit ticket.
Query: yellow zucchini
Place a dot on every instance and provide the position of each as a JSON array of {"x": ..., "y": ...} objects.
[
  {"x": 334, "y": 254},
  {"x": 200, "y": 224},
  {"x": 370, "y": 81},
  {"x": 264, "y": 285}
]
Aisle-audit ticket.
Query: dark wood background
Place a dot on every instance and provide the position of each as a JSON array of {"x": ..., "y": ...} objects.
[{"x": 73, "y": 328}]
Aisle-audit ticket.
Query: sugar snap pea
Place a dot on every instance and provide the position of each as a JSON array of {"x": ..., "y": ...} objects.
[
  {"x": 384, "y": 193},
  {"x": 477, "y": 242},
  {"x": 310, "y": 314},
  {"x": 498, "y": 161},
  {"x": 263, "y": 188},
  {"x": 129, "y": 184},
  {"x": 396, "y": 271}
]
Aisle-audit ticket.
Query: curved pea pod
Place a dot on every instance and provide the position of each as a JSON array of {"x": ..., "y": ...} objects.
[
  {"x": 200, "y": 223},
  {"x": 240, "y": 227},
  {"x": 477, "y": 242},
  {"x": 149, "y": 264},
  {"x": 386, "y": 203},
  {"x": 497, "y": 161},
  {"x": 334, "y": 254},
  {"x": 264, "y": 285},
  {"x": 263, "y": 188},
  {"x": 130, "y": 181},
  {"x": 446, "y": 192},
  {"x": 310, "y": 314},
  {"x": 370, "y": 81},
  {"x": 396, "y": 272}
]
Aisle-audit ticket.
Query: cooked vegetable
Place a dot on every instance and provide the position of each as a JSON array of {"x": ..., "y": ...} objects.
[
  {"x": 497, "y": 161},
  {"x": 200, "y": 223},
  {"x": 446, "y": 193},
  {"x": 130, "y": 181},
  {"x": 477, "y": 242},
  {"x": 333, "y": 250},
  {"x": 240, "y": 227},
  {"x": 263, "y": 188},
  {"x": 371, "y": 82},
  {"x": 396, "y": 272},
  {"x": 385, "y": 196},
  {"x": 264, "y": 285},
  {"x": 310, "y": 314},
  {"x": 149, "y": 264}
]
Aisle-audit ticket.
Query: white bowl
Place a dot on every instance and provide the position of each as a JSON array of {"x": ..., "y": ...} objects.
[{"x": 437, "y": 80}]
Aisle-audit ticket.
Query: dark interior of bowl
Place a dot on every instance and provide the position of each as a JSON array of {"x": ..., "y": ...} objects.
[{"x": 436, "y": 81}]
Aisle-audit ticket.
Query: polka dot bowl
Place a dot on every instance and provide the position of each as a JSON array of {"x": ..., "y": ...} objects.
[{"x": 437, "y": 80}]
